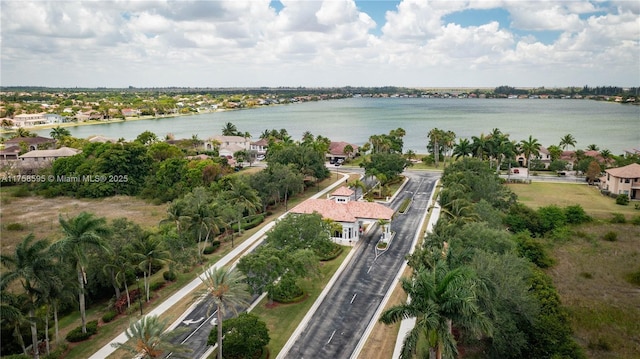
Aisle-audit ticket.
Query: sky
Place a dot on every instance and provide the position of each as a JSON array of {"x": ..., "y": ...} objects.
[{"x": 320, "y": 43}]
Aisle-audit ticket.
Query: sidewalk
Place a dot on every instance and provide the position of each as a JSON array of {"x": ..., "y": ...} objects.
[{"x": 108, "y": 349}]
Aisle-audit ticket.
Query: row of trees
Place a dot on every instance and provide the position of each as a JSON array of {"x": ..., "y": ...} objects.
[
  {"x": 500, "y": 150},
  {"x": 478, "y": 287}
]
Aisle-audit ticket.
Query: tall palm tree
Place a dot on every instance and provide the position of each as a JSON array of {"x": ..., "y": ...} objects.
[
  {"x": 31, "y": 266},
  {"x": 11, "y": 312},
  {"x": 242, "y": 198},
  {"x": 566, "y": 141},
  {"x": 440, "y": 298},
  {"x": 463, "y": 148},
  {"x": 530, "y": 147},
  {"x": 148, "y": 251},
  {"x": 228, "y": 290},
  {"x": 593, "y": 147},
  {"x": 81, "y": 233},
  {"x": 357, "y": 184},
  {"x": 151, "y": 339},
  {"x": 480, "y": 145},
  {"x": 435, "y": 137}
]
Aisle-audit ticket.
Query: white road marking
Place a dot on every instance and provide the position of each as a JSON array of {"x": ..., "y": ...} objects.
[
  {"x": 354, "y": 297},
  {"x": 331, "y": 337}
]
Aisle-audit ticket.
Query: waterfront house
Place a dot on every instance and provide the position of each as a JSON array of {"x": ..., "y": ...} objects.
[
  {"x": 31, "y": 143},
  {"x": 622, "y": 180},
  {"x": 260, "y": 146},
  {"x": 29, "y": 120},
  {"x": 44, "y": 158},
  {"x": 228, "y": 145},
  {"x": 336, "y": 151},
  {"x": 352, "y": 215}
]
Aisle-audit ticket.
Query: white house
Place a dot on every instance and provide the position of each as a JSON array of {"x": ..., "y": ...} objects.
[
  {"x": 623, "y": 180},
  {"x": 352, "y": 215}
]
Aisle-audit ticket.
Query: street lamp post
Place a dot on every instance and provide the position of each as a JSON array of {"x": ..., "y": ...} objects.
[{"x": 139, "y": 294}]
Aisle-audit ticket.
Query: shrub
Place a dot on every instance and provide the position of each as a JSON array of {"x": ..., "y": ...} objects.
[
  {"x": 169, "y": 276},
  {"x": 404, "y": 205},
  {"x": 551, "y": 217},
  {"x": 633, "y": 278},
  {"x": 76, "y": 335},
  {"x": 610, "y": 236},
  {"x": 286, "y": 291},
  {"x": 211, "y": 248},
  {"x": 15, "y": 227},
  {"x": 636, "y": 220},
  {"x": 576, "y": 214},
  {"x": 534, "y": 251},
  {"x": 156, "y": 285},
  {"x": 618, "y": 218},
  {"x": 248, "y": 225},
  {"x": 600, "y": 344},
  {"x": 109, "y": 316},
  {"x": 21, "y": 191},
  {"x": 244, "y": 336},
  {"x": 622, "y": 199}
]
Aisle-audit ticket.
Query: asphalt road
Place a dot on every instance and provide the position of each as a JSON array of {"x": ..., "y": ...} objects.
[{"x": 341, "y": 320}]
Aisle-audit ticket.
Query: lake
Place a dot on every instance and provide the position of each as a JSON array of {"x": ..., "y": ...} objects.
[{"x": 610, "y": 126}]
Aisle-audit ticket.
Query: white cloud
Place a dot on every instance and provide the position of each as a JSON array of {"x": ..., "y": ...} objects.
[{"x": 329, "y": 43}]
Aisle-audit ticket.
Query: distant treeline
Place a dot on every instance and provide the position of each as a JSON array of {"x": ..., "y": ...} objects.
[
  {"x": 345, "y": 91},
  {"x": 585, "y": 91}
]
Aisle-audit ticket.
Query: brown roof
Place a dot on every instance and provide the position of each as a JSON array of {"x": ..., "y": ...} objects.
[
  {"x": 60, "y": 152},
  {"x": 629, "y": 171},
  {"x": 344, "y": 212},
  {"x": 342, "y": 191},
  {"x": 337, "y": 148},
  {"x": 261, "y": 142},
  {"x": 29, "y": 140}
]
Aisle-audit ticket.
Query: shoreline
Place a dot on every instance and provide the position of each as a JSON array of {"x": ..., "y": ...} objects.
[{"x": 100, "y": 122}]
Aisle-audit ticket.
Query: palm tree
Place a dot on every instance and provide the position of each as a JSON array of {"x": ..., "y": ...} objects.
[
  {"x": 228, "y": 290},
  {"x": 435, "y": 137},
  {"x": 480, "y": 145},
  {"x": 58, "y": 133},
  {"x": 440, "y": 298},
  {"x": 463, "y": 148},
  {"x": 151, "y": 339},
  {"x": 10, "y": 312},
  {"x": 148, "y": 251},
  {"x": 357, "y": 184},
  {"x": 530, "y": 147},
  {"x": 31, "y": 266},
  {"x": 243, "y": 199},
  {"x": 81, "y": 233},
  {"x": 566, "y": 141},
  {"x": 593, "y": 147},
  {"x": 229, "y": 129}
]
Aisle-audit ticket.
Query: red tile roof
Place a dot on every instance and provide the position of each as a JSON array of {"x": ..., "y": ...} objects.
[
  {"x": 344, "y": 212},
  {"x": 342, "y": 191},
  {"x": 337, "y": 148}
]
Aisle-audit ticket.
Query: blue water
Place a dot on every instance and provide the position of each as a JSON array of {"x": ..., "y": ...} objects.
[{"x": 610, "y": 126}]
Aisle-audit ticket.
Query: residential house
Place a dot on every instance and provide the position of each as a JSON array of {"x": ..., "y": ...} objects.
[
  {"x": 336, "y": 151},
  {"x": 352, "y": 215},
  {"x": 44, "y": 158},
  {"x": 10, "y": 153},
  {"x": 260, "y": 146},
  {"x": 129, "y": 112},
  {"x": 29, "y": 119},
  {"x": 622, "y": 180},
  {"x": 32, "y": 143},
  {"x": 228, "y": 145},
  {"x": 53, "y": 118}
]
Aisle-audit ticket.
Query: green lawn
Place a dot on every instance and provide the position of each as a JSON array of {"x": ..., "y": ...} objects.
[
  {"x": 540, "y": 194},
  {"x": 283, "y": 319}
]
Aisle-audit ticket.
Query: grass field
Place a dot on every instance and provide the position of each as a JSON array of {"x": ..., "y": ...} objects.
[
  {"x": 590, "y": 272},
  {"x": 540, "y": 194}
]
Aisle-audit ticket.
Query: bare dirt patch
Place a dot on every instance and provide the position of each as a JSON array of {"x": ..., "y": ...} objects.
[
  {"x": 39, "y": 215},
  {"x": 590, "y": 277}
]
